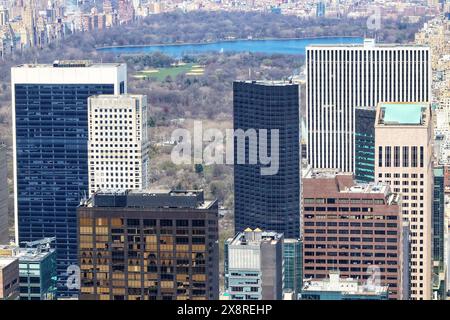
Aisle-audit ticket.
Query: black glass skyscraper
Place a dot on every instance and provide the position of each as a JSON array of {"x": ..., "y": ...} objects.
[
  {"x": 365, "y": 144},
  {"x": 50, "y": 124},
  {"x": 270, "y": 202}
]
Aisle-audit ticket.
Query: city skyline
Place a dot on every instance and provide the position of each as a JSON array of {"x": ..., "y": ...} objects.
[{"x": 317, "y": 172}]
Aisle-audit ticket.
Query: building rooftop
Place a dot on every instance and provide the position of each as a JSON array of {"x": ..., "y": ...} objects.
[
  {"x": 269, "y": 82},
  {"x": 366, "y": 44},
  {"x": 328, "y": 182},
  {"x": 69, "y": 64},
  {"x": 6, "y": 261},
  {"x": 347, "y": 286},
  {"x": 402, "y": 113},
  {"x": 255, "y": 237},
  {"x": 161, "y": 198}
]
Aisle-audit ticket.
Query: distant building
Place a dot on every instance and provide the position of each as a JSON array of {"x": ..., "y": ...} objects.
[
  {"x": 356, "y": 229},
  {"x": 267, "y": 201},
  {"x": 335, "y": 288},
  {"x": 9, "y": 278},
  {"x": 403, "y": 160},
  {"x": 320, "y": 9},
  {"x": 254, "y": 265},
  {"x": 4, "y": 196},
  {"x": 153, "y": 245},
  {"x": 365, "y": 144},
  {"x": 118, "y": 142},
  {"x": 293, "y": 265}
]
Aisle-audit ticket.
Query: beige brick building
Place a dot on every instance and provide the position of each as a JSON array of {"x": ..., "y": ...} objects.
[{"x": 403, "y": 159}]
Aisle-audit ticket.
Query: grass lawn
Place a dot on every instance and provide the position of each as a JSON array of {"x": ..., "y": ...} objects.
[{"x": 161, "y": 74}]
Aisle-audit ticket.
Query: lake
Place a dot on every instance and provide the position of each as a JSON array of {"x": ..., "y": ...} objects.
[{"x": 280, "y": 46}]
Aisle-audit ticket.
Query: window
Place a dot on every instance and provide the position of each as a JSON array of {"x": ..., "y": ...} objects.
[
  {"x": 387, "y": 156},
  {"x": 396, "y": 156}
]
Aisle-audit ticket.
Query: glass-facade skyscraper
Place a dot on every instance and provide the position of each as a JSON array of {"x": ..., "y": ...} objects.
[
  {"x": 271, "y": 201},
  {"x": 50, "y": 124},
  {"x": 365, "y": 144},
  {"x": 438, "y": 225}
]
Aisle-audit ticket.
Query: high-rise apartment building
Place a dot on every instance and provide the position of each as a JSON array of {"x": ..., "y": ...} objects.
[
  {"x": 340, "y": 78},
  {"x": 4, "y": 196},
  {"x": 254, "y": 265},
  {"x": 403, "y": 159},
  {"x": 118, "y": 142},
  {"x": 353, "y": 228},
  {"x": 50, "y": 130},
  {"x": 365, "y": 144},
  {"x": 267, "y": 201},
  {"x": 155, "y": 245}
]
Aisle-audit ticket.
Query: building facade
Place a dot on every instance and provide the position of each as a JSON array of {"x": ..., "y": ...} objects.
[
  {"x": 254, "y": 265},
  {"x": 293, "y": 265},
  {"x": 118, "y": 142},
  {"x": 403, "y": 160},
  {"x": 9, "y": 278},
  {"x": 155, "y": 245},
  {"x": 267, "y": 201},
  {"x": 340, "y": 78},
  {"x": 439, "y": 268},
  {"x": 365, "y": 144},
  {"x": 50, "y": 130},
  {"x": 4, "y": 196},
  {"x": 37, "y": 269},
  {"x": 353, "y": 228}
]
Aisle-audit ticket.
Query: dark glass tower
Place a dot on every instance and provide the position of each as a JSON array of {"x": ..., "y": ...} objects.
[
  {"x": 438, "y": 233},
  {"x": 269, "y": 202},
  {"x": 365, "y": 144},
  {"x": 51, "y": 160}
]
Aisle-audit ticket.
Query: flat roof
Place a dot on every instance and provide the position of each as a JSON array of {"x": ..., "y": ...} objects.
[
  {"x": 403, "y": 113},
  {"x": 150, "y": 198},
  {"x": 269, "y": 82},
  {"x": 5, "y": 261}
]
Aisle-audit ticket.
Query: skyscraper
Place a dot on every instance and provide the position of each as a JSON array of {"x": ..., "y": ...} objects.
[
  {"x": 155, "y": 245},
  {"x": 4, "y": 196},
  {"x": 438, "y": 225},
  {"x": 254, "y": 265},
  {"x": 365, "y": 144},
  {"x": 403, "y": 160},
  {"x": 356, "y": 229},
  {"x": 269, "y": 202},
  {"x": 50, "y": 130},
  {"x": 340, "y": 78},
  {"x": 118, "y": 142}
]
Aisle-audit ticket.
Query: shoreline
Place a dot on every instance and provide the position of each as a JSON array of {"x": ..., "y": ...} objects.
[{"x": 218, "y": 41}]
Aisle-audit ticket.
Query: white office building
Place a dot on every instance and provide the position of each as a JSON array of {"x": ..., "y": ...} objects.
[
  {"x": 340, "y": 78},
  {"x": 118, "y": 142}
]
